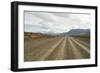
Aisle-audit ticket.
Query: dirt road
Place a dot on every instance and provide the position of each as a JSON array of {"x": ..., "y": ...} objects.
[{"x": 59, "y": 48}]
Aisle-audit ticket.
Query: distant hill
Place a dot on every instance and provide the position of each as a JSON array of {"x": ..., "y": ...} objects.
[
  {"x": 28, "y": 35},
  {"x": 77, "y": 32}
]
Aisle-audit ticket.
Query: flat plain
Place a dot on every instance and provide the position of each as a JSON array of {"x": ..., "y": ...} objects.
[{"x": 38, "y": 47}]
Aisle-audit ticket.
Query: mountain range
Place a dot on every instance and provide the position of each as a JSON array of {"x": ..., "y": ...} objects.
[
  {"x": 77, "y": 32},
  {"x": 71, "y": 32}
]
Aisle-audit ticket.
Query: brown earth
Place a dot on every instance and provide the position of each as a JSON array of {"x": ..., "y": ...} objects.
[{"x": 38, "y": 47}]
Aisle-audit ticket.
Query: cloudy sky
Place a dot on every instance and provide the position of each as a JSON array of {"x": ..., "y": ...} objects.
[{"x": 55, "y": 22}]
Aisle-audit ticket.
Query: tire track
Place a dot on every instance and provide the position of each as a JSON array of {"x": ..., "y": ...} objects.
[
  {"x": 51, "y": 50},
  {"x": 58, "y": 53},
  {"x": 63, "y": 48},
  {"x": 82, "y": 38},
  {"x": 40, "y": 52},
  {"x": 82, "y": 42},
  {"x": 75, "y": 50},
  {"x": 81, "y": 45},
  {"x": 68, "y": 51},
  {"x": 40, "y": 42}
]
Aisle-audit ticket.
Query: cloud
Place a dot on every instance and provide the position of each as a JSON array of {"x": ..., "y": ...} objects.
[{"x": 51, "y": 22}]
